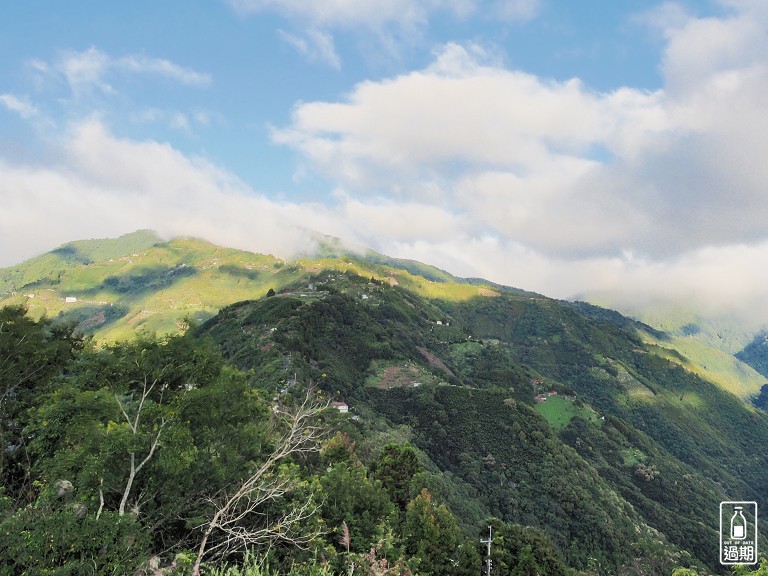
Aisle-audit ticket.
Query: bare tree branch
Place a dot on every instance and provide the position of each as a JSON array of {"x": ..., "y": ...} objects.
[
  {"x": 133, "y": 424},
  {"x": 134, "y": 470},
  {"x": 302, "y": 433},
  {"x": 101, "y": 498}
]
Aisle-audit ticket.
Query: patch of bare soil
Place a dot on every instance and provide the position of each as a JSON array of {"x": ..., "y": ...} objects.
[
  {"x": 400, "y": 377},
  {"x": 434, "y": 360}
]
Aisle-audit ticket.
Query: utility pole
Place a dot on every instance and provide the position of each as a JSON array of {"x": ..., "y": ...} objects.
[{"x": 488, "y": 558}]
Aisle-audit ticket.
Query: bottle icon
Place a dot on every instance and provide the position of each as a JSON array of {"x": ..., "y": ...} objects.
[{"x": 738, "y": 525}]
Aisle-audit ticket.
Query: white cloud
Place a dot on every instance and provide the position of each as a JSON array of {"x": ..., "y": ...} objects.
[
  {"x": 551, "y": 184},
  {"x": 512, "y": 151},
  {"x": 75, "y": 84},
  {"x": 388, "y": 23},
  {"x": 557, "y": 166},
  {"x": 315, "y": 45},
  {"x": 171, "y": 118},
  {"x": 85, "y": 70},
  {"x": 517, "y": 10},
  {"x": 105, "y": 186},
  {"x": 351, "y": 13},
  {"x": 400, "y": 221},
  {"x": 406, "y": 14},
  {"x": 90, "y": 70},
  {"x": 146, "y": 65},
  {"x": 392, "y": 24},
  {"x": 19, "y": 105},
  {"x": 487, "y": 116}
]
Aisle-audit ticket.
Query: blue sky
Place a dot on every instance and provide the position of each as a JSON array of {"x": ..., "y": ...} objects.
[{"x": 565, "y": 147}]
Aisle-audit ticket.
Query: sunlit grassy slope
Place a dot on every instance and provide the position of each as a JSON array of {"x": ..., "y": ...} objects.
[
  {"x": 707, "y": 344},
  {"x": 713, "y": 364},
  {"x": 558, "y": 411},
  {"x": 119, "y": 287}
]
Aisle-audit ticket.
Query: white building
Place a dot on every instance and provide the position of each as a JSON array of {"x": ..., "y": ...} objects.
[{"x": 340, "y": 406}]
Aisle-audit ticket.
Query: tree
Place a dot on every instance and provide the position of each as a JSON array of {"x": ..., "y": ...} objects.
[
  {"x": 103, "y": 426},
  {"x": 32, "y": 353},
  {"x": 238, "y": 518},
  {"x": 761, "y": 570},
  {"x": 135, "y": 424},
  {"x": 148, "y": 430},
  {"x": 396, "y": 467},
  {"x": 527, "y": 564},
  {"x": 58, "y": 539},
  {"x": 433, "y": 536},
  {"x": 524, "y": 551},
  {"x": 352, "y": 499}
]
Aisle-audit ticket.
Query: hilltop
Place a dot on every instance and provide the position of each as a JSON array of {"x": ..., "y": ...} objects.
[{"x": 115, "y": 288}]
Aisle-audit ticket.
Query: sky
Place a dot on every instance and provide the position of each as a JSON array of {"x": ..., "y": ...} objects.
[{"x": 570, "y": 148}]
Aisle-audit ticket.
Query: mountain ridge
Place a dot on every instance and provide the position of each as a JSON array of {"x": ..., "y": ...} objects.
[
  {"x": 469, "y": 381},
  {"x": 139, "y": 282}
]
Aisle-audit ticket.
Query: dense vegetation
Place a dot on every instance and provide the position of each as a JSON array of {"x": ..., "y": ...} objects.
[
  {"x": 119, "y": 458},
  {"x": 585, "y": 448}
]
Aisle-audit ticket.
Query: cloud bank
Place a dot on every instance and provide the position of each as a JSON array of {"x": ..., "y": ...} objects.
[{"x": 465, "y": 164}]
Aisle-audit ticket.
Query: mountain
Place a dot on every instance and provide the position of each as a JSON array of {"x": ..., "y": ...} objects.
[
  {"x": 118, "y": 287},
  {"x": 115, "y": 288},
  {"x": 590, "y": 432},
  {"x": 543, "y": 413}
]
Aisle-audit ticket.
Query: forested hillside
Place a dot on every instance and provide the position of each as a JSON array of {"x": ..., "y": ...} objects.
[
  {"x": 657, "y": 442},
  {"x": 345, "y": 423}
]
